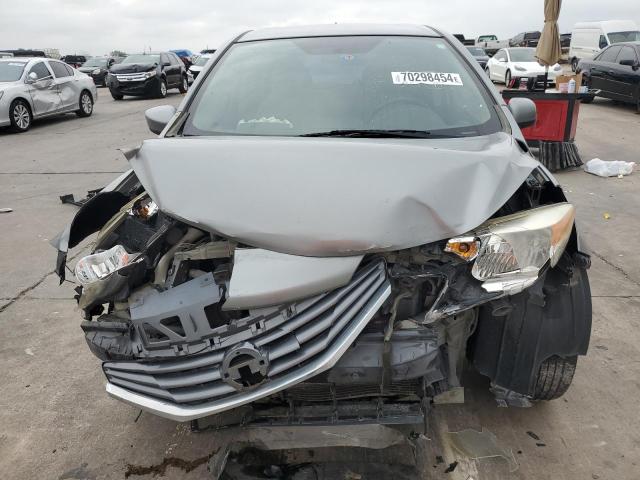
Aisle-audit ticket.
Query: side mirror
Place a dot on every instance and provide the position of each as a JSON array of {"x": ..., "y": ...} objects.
[
  {"x": 158, "y": 117},
  {"x": 32, "y": 77},
  {"x": 502, "y": 60},
  {"x": 523, "y": 111},
  {"x": 629, "y": 63}
]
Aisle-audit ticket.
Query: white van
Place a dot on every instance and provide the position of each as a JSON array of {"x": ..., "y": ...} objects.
[{"x": 589, "y": 38}]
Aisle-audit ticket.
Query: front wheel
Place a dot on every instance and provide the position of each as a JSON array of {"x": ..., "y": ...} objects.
[
  {"x": 590, "y": 99},
  {"x": 184, "y": 85},
  {"x": 161, "y": 91},
  {"x": 116, "y": 95},
  {"x": 507, "y": 78},
  {"x": 20, "y": 116},
  {"x": 86, "y": 105},
  {"x": 554, "y": 377}
]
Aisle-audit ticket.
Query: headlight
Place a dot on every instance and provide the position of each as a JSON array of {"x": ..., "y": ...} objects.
[
  {"x": 100, "y": 265},
  {"x": 519, "y": 68},
  {"x": 513, "y": 249},
  {"x": 150, "y": 74},
  {"x": 96, "y": 72}
]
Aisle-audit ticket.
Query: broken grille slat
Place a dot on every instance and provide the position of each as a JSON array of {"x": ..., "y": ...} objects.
[{"x": 290, "y": 344}]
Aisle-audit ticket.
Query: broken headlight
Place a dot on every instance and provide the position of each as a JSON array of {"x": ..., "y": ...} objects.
[
  {"x": 513, "y": 249},
  {"x": 99, "y": 265}
]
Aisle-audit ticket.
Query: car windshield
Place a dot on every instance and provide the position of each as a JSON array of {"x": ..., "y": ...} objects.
[
  {"x": 141, "y": 58},
  {"x": 95, "y": 62},
  {"x": 617, "y": 37},
  {"x": 11, "y": 71},
  {"x": 477, "y": 51},
  {"x": 311, "y": 86},
  {"x": 523, "y": 55},
  {"x": 201, "y": 61}
]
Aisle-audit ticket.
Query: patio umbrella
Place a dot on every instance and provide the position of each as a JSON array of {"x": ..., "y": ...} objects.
[{"x": 549, "y": 50}]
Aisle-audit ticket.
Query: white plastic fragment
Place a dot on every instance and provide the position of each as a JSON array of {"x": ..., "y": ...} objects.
[{"x": 615, "y": 168}]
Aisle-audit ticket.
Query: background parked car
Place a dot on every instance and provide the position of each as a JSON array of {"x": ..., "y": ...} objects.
[
  {"x": 491, "y": 44},
  {"x": 589, "y": 38},
  {"x": 98, "y": 67},
  {"x": 525, "y": 39},
  {"x": 199, "y": 64},
  {"x": 75, "y": 61},
  {"x": 146, "y": 74},
  {"x": 6, "y": 55},
  {"x": 33, "y": 88},
  {"x": 480, "y": 55},
  {"x": 518, "y": 62},
  {"x": 25, "y": 52},
  {"x": 565, "y": 42},
  {"x": 615, "y": 73}
]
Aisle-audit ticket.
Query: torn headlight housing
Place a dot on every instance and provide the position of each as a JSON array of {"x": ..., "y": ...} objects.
[
  {"x": 515, "y": 248},
  {"x": 97, "y": 266}
]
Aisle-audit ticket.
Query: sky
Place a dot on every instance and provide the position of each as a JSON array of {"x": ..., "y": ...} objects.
[{"x": 97, "y": 27}]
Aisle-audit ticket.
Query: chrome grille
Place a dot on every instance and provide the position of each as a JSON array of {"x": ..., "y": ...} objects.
[
  {"x": 131, "y": 77},
  {"x": 288, "y": 346}
]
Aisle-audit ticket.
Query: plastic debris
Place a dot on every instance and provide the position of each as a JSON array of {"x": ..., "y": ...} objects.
[
  {"x": 606, "y": 215},
  {"x": 614, "y": 168},
  {"x": 476, "y": 445},
  {"x": 6, "y": 210}
]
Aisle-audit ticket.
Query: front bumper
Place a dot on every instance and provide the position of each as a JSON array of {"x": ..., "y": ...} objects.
[
  {"x": 304, "y": 346},
  {"x": 133, "y": 88}
]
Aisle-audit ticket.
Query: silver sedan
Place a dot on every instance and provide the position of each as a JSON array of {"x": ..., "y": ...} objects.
[{"x": 32, "y": 88}]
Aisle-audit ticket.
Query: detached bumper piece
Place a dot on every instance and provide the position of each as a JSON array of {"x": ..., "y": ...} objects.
[{"x": 258, "y": 360}]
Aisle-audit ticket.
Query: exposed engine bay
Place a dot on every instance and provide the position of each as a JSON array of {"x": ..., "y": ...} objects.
[{"x": 189, "y": 323}]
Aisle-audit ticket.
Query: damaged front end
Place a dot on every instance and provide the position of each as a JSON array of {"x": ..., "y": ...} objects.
[{"x": 190, "y": 323}]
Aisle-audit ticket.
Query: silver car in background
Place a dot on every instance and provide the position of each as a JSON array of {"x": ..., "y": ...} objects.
[{"x": 32, "y": 88}]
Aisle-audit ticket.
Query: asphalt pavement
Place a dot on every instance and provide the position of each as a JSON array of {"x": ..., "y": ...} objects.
[{"x": 56, "y": 422}]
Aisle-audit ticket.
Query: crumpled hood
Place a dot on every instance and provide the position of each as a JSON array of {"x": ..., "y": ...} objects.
[
  {"x": 132, "y": 67},
  {"x": 332, "y": 196}
]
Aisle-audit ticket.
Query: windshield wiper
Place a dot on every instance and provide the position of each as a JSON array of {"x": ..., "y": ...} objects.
[{"x": 372, "y": 134}]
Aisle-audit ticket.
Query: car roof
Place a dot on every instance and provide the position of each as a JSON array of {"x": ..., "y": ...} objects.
[
  {"x": 341, "y": 29},
  {"x": 22, "y": 59}
]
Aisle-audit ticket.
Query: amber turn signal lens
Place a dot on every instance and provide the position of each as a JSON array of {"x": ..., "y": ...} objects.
[{"x": 465, "y": 247}]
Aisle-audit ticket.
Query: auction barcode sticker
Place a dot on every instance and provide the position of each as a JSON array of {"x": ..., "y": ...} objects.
[{"x": 426, "y": 78}]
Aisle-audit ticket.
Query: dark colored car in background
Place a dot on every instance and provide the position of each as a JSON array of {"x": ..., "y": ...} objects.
[
  {"x": 525, "y": 39},
  {"x": 147, "y": 74},
  {"x": 75, "y": 61},
  {"x": 98, "y": 67},
  {"x": 25, "y": 52},
  {"x": 480, "y": 55},
  {"x": 615, "y": 73}
]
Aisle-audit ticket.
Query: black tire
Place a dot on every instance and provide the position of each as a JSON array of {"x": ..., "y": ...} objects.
[
  {"x": 161, "y": 90},
  {"x": 116, "y": 95},
  {"x": 554, "y": 377},
  {"x": 574, "y": 65},
  {"x": 590, "y": 99},
  {"x": 20, "y": 116},
  {"x": 86, "y": 104},
  {"x": 184, "y": 84},
  {"x": 507, "y": 78}
]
